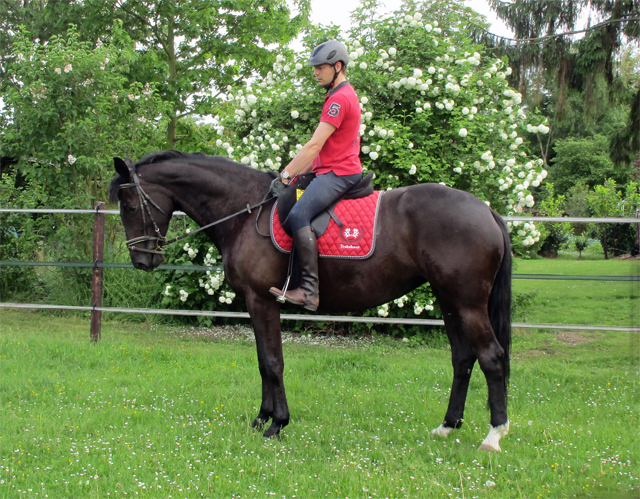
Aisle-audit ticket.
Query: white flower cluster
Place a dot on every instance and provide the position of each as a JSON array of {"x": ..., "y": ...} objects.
[
  {"x": 401, "y": 301},
  {"x": 418, "y": 309},
  {"x": 209, "y": 260},
  {"x": 192, "y": 252},
  {"x": 213, "y": 282},
  {"x": 527, "y": 230},
  {"x": 227, "y": 297},
  {"x": 542, "y": 128},
  {"x": 183, "y": 295}
]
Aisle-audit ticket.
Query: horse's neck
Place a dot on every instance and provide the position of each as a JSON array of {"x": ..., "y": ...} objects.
[{"x": 210, "y": 194}]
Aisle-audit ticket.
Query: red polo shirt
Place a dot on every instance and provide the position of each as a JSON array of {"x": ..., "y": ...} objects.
[{"x": 341, "y": 151}]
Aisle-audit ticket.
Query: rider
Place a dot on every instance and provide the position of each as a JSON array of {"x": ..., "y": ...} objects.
[{"x": 334, "y": 154}]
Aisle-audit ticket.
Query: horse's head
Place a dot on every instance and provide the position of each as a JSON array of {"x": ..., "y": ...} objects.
[{"x": 145, "y": 210}]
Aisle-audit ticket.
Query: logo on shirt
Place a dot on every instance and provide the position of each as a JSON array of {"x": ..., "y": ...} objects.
[{"x": 334, "y": 109}]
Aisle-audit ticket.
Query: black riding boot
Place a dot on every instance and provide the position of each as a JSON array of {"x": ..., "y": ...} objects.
[{"x": 306, "y": 295}]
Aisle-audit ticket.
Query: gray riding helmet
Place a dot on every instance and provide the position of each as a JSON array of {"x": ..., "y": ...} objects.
[{"x": 329, "y": 53}]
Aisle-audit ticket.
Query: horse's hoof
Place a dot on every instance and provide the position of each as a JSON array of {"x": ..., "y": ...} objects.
[
  {"x": 442, "y": 431},
  {"x": 492, "y": 442},
  {"x": 488, "y": 448},
  {"x": 273, "y": 431}
]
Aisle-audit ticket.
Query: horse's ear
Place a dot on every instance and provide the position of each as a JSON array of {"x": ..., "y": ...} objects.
[{"x": 122, "y": 168}]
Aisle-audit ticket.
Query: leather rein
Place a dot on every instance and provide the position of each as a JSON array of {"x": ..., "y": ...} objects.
[{"x": 160, "y": 240}]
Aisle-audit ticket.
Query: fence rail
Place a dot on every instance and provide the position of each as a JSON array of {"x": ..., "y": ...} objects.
[
  {"x": 98, "y": 265},
  {"x": 304, "y": 317},
  {"x": 612, "y": 220}
]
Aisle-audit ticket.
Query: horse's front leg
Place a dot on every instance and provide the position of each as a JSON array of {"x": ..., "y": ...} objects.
[{"x": 265, "y": 315}]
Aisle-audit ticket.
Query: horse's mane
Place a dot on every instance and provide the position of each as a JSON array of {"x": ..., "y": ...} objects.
[{"x": 160, "y": 157}]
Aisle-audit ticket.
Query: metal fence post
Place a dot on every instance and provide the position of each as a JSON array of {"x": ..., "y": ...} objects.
[{"x": 96, "y": 278}]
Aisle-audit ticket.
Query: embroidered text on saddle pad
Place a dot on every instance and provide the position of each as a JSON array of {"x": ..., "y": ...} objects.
[{"x": 355, "y": 239}]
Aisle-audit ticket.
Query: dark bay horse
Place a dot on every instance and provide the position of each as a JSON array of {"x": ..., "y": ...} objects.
[{"x": 425, "y": 232}]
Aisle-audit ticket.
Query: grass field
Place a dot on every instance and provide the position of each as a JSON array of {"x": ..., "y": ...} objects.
[
  {"x": 157, "y": 412},
  {"x": 610, "y": 303}
]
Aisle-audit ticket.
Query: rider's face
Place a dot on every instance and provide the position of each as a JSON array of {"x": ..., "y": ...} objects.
[{"x": 324, "y": 73}]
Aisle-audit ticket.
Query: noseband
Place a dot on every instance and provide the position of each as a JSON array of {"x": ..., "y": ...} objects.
[{"x": 144, "y": 205}]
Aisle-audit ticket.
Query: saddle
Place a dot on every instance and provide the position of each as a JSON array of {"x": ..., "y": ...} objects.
[{"x": 320, "y": 222}]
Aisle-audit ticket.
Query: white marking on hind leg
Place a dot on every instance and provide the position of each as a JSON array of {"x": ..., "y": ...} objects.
[
  {"x": 492, "y": 442},
  {"x": 442, "y": 431}
]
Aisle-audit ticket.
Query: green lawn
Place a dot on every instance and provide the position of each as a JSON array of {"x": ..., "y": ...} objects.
[
  {"x": 159, "y": 412},
  {"x": 581, "y": 302}
]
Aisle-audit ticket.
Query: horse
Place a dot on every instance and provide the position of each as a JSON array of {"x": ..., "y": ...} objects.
[{"x": 425, "y": 233}]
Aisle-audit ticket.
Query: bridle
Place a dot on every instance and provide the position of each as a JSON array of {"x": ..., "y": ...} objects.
[
  {"x": 160, "y": 240},
  {"x": 145, "y": 199}
]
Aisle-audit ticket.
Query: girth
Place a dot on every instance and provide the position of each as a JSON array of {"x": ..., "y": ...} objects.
[{"x": 320, "y": 222}]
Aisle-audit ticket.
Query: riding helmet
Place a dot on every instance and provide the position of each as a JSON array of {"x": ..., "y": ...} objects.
[{"x": 329, "y": 53}]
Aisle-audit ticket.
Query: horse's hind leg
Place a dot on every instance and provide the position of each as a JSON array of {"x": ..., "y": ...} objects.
[
  {"x": 463, "y": 358},
  {"x": 474, "y": 326}
]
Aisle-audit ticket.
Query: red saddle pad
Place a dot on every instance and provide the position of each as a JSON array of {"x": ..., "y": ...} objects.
[{"x": 355, "y": 239}]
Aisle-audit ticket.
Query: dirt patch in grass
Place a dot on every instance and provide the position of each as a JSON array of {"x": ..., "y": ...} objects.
[{"x": 575, "y": 337}]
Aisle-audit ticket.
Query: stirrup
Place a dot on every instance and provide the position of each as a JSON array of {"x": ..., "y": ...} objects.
[{"x": 281, "y": 298}]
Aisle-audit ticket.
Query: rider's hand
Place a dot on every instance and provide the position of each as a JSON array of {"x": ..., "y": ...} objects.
[{"x": 276, "y": 187}]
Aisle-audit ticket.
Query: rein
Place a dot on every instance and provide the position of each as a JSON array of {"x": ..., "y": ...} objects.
[{"x": 160, "y": 239}]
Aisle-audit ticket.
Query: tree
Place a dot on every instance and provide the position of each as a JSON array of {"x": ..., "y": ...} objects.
[
  {"x": 548, "y": 65},
  {"x": 70, "y": 109},
  {"x": 195, "y": 49},
  {"x": 584, "y": 160}
]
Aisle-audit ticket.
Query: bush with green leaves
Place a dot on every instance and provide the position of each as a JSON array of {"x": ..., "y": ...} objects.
[
  {"x": 434, "y": 109},
  {"x": 609, "y": 200}
]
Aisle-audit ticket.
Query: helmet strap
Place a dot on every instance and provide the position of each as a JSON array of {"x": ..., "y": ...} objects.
[{"x": 329, "y": 86}]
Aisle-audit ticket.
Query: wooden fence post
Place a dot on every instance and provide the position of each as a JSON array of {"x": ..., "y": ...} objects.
[{"x": 96, "y": 279}]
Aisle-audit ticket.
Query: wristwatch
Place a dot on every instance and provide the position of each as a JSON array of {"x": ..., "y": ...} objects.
[{"x": 285, "y": 175}]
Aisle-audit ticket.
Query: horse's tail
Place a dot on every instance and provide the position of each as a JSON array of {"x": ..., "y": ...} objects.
[{"x": 500, "y": 300}]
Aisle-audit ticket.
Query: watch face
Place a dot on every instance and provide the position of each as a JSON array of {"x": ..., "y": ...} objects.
[{"x": 285, "y": 174}]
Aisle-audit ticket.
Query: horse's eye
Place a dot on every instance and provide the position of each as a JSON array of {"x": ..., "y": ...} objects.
[{"x": 131, "y": 209}]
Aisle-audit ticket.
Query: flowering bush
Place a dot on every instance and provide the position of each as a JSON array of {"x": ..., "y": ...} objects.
[
  {"x": 434, "y": 109},
  {"x": 184, "y": 289}
]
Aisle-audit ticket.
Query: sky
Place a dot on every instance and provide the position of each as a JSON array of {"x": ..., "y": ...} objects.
[{"x": 337, "y": 12}]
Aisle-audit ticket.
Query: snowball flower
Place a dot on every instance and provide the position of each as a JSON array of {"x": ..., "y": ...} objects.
[
  {"x": 71, "y": 159},
  {"x": 413, "y": 170},
  {"x": 373, "y": 155},
  {"x": 457, "y": 169},
  {"x": 543, "y": 129},
  {"x": 417, "y": 73},
  {"x": 295, "y": 114},
  {"x": 252, "y": 99},
  {"x": 364, "y": 100},
  {"x": 183, "y": 295},
  {"x": 392, "y": 51},
  {"x": 463, "y": 132},
  {"x": 366, "y": 149},
  {"x": 363, "y": 65},
  {"x": 465, "y": 110}
]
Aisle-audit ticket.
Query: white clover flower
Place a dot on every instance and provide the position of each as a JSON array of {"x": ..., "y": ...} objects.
[
  {"x": 71, "y": 159},
  {"x": 295, "y": 114},
  {"x": 413, "y": 170},
  {"x": 373, "y": 155}
]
